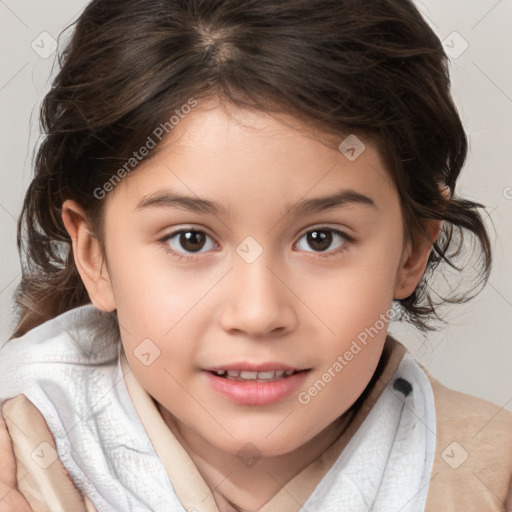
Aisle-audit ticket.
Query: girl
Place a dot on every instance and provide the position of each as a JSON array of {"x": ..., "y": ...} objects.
[{"x": 309, "y": 150}]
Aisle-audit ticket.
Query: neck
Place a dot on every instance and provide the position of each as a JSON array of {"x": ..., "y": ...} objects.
[{"x": 249, "y": 488}]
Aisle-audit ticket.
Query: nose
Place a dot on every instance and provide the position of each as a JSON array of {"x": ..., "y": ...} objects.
[{"x": 259, "y": 301}]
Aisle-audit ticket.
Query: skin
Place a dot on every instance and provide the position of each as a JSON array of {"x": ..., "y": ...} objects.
[
  {"x": 10, "y": 499},
  {"x": 294, "y": 304}
]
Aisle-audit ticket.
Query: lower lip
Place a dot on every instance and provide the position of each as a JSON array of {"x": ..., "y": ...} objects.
[{"x": 256, "y": 393}]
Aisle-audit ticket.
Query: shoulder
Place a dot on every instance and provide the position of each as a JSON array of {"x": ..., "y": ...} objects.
[
  {"x": 473, "y": 460},
  {"x": 60, "y": 353}
]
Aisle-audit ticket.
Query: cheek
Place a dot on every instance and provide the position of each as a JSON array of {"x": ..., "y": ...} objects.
[
  {"x": 151, "y": 292},
  {"x": 352, "y": 296},
  {"x": 355, "y": 307},
  {"x": 340, "y": 383}
]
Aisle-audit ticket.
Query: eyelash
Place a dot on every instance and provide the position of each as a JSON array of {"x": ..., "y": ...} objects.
[{"x": 347, "y": 240}]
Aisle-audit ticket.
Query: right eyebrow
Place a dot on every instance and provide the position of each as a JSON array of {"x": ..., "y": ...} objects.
[{"x": 171, "y": 199}]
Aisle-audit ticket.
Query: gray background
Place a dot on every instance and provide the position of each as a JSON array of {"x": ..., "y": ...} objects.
[{"x": 474, "y": 352}]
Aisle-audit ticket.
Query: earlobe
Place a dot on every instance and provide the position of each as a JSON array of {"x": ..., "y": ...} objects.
[
  {"x": 415, "y": 260},
  {"x": 88, "y": 257}
]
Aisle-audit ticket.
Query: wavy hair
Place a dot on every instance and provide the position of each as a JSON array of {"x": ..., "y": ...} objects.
[{"x": 370, "y": 67}]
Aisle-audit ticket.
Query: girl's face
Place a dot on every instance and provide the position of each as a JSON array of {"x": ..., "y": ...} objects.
[{"x": 246, "y": 244}]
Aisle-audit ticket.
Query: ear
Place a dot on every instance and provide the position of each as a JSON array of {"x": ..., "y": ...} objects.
[
  {"x": 415, "y": 260},
  {"x": 87, "y": 255}
]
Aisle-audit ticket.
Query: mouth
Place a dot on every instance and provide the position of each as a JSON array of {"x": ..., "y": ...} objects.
[{"x": 255, "y": 384}]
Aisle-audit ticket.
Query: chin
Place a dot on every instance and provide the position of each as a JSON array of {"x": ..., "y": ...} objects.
[{"x": 258, "y": 445}]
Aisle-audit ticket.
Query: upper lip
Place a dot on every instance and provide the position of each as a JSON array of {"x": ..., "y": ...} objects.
[{"x": 253, "y": 367}]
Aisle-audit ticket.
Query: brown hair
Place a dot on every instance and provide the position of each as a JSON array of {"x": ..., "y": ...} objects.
[{"x": 370, "y": 67}]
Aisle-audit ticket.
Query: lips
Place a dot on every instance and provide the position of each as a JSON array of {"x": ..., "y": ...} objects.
[{"x": 246, "y": 387}]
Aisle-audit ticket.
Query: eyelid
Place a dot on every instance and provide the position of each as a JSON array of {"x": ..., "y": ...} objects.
[
  {"x": 327, "y": 227},
  {"x": 184, "y": 228}
]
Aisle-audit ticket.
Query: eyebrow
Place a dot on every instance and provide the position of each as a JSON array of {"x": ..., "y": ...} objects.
[{"x": 170, "y": 199}]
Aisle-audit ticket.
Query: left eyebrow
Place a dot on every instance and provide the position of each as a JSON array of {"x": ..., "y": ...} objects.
[
  {"x": 170, "y": 199},
  {"x": 344, "y": 197}
]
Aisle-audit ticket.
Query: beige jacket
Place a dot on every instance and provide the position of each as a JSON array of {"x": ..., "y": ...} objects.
[{"x": 472, "y": 468}]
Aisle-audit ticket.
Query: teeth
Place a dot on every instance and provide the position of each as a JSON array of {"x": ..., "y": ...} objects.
[
  {"x": 261, "y": 375},
  {"x": 247, "y": 375}
]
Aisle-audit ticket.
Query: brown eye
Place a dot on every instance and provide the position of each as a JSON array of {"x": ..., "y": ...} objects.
[
  {"x": 192, "y": 240},
  {"x": 321, "y": 240},
  {"x": 188, "y": 241}
]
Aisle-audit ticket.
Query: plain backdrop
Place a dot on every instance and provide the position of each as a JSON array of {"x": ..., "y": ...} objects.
[{"x": 473, "y": 353}]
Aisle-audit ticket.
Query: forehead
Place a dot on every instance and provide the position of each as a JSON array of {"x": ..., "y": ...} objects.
[{"x": 235, "y": 156}]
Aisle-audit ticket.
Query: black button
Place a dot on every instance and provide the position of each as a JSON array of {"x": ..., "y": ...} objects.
[{"x": 402, "y": 385}]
